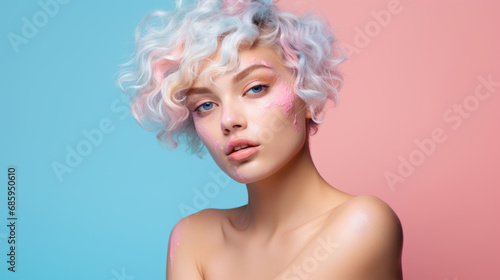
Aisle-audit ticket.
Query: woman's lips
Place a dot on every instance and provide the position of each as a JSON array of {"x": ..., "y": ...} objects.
[
  {"x": 237, "y": 142},
  {"x": 243, "y": 153}
]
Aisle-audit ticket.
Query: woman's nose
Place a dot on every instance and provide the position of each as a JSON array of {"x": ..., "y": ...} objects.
[{"x": 233, "y": 118}]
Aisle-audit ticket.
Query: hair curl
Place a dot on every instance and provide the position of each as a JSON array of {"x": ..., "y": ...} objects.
[{"x": 172, "y": 45}]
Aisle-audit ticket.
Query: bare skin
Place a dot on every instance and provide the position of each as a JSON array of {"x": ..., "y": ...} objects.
[{"x": 295, "y": 225}]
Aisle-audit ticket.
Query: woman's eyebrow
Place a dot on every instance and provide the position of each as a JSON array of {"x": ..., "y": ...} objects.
[
  {"x": 201, "y": 90},
  {"x": 240, "y": 76}
]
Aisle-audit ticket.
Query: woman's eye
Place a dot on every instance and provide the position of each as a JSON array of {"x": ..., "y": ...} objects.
[
  {"x": 205, "y": 106},
  {"x": 257, "y": 89}
]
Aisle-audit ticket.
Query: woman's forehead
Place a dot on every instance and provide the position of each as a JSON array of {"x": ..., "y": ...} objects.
[
  {"x": 266, "y": 57},
  {"x": 259, "y": 55}
]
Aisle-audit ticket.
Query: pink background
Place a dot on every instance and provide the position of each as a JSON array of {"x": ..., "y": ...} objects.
[{"x": 398, "y": 88}]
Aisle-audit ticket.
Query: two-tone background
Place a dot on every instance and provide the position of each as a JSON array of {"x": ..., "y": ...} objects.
[{"x": 418, "y": 125}]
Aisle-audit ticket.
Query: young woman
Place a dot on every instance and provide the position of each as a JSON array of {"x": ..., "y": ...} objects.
[{"x": 250, "y": 82}]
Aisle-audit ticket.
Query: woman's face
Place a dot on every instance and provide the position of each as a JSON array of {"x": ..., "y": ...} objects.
[{"x": 250, "y": 120}]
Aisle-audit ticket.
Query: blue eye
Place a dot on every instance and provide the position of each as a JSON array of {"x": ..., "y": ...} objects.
[
  {"x": 257, "y": 89},
  {"x": 205, "y": 106}
]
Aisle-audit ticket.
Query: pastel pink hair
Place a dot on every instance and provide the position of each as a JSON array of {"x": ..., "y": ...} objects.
[{"x": 171, "y": 45}]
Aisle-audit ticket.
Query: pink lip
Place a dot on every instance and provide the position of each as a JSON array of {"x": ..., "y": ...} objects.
[
  {"x": 243, "y": 153},
  {"x": 240, "y": 154}
]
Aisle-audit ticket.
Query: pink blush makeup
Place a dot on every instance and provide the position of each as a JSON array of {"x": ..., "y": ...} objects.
[{"x": 283, "y": 98}]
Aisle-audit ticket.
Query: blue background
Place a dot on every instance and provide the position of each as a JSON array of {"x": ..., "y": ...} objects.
[{"x": 111, "y": 216}]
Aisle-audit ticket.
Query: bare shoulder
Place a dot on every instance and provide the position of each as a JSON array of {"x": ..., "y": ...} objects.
[
  {"x": 368, "y": 217},
  {"x": 369, "y": 236},
  {"x": 367, "y": 208},
  {"x": 188, "y": 242},
  {"x": 199, "y": 227}
]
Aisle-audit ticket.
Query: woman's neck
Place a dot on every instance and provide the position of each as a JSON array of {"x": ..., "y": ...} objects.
[{"x": 290, "y": 197}]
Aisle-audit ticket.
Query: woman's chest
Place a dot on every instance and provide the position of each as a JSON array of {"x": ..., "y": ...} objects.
[
  {"x": 250, "y": 263},
  {"x": 249, "y": 259},
  {"x": 295, "y": 253}
]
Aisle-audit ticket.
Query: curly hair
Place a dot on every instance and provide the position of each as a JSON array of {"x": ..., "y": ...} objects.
[{"x": 172, "y": 45}]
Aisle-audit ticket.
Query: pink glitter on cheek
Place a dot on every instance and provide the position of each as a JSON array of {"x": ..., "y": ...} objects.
[
  {"x": 283, "y": 98},
  {"x": 251, "y": 61}
]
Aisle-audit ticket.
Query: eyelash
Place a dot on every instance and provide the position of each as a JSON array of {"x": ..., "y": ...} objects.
[
  {"x": 199, "y": 107},
  {"x": 264, "y": 89}
]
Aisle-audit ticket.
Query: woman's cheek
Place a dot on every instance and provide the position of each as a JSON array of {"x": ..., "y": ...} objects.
[
  {"x": 282, "y": 98},
  {"x": 204, "y": 134},
  {"x": 295, "y": 123}
]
